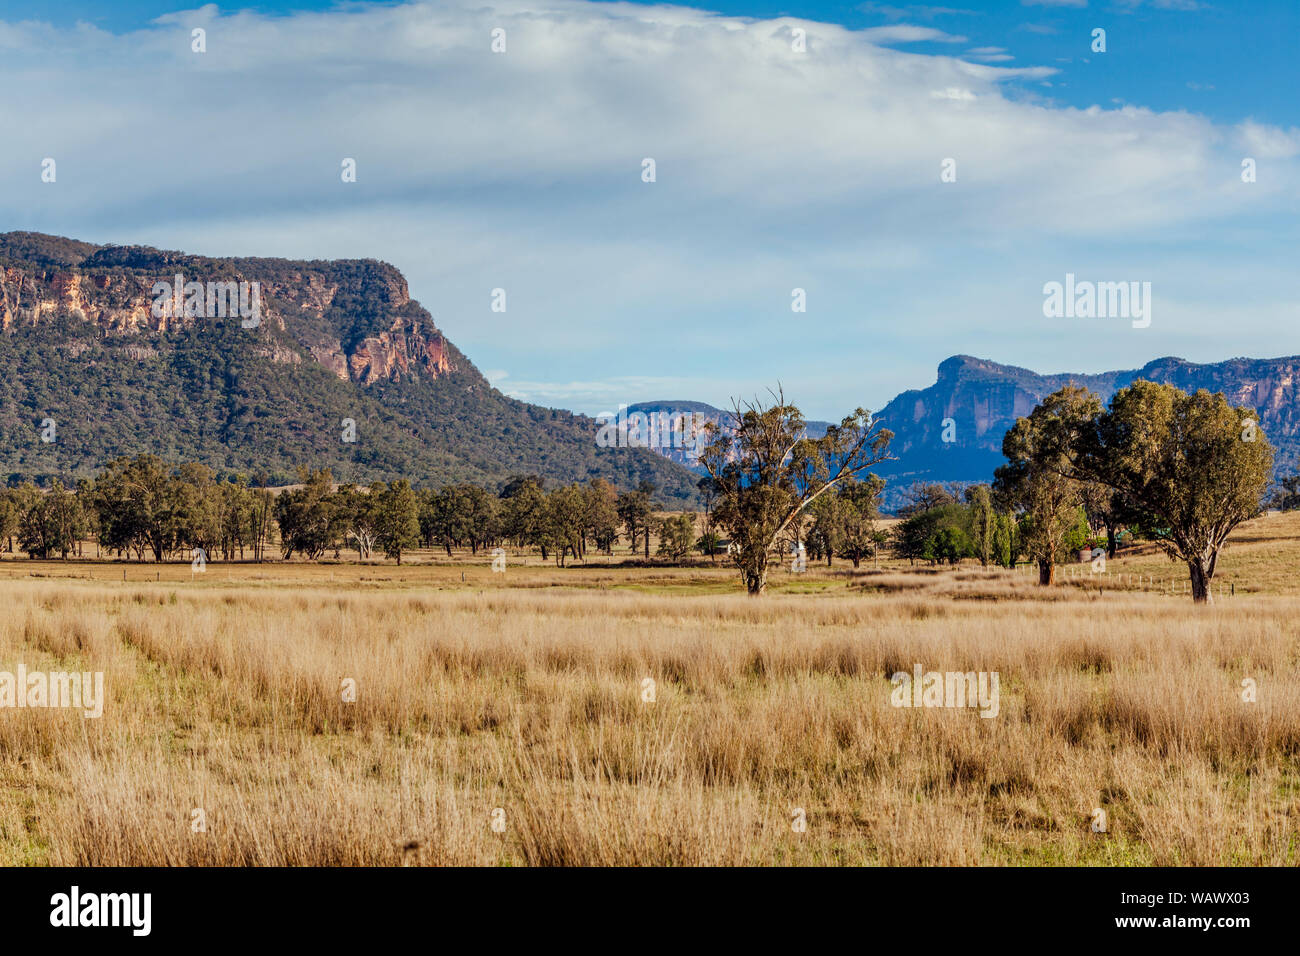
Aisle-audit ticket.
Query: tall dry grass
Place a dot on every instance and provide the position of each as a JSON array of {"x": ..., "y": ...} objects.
[{"x": 530, "y": 701}]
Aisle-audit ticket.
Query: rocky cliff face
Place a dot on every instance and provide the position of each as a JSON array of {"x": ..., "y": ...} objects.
[
  {"x": 1271, "y": 386},
  {"x": 983, "y": 400},
  {"x": 355, "y": 318},
  {"x": 83, "y": 346},
  {"x": 973, "y": 403}
]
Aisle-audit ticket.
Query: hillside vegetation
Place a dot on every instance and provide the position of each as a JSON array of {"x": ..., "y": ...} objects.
[{"x": 261, "y": 403}]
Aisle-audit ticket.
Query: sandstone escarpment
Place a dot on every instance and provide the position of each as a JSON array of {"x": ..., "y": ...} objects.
[
  {"x": 953, "y": 430},
  {"x": 84, "y": 346},
  {"x": 354, "y": 318}
]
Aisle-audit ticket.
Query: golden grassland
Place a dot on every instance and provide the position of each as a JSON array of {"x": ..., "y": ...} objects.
[{"x": 524, "y": 692}]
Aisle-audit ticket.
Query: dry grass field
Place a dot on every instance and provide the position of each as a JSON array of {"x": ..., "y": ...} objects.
[{"x": 523, "y": 693}]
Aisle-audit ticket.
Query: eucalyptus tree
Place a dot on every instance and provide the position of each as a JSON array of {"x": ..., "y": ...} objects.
[{"x": 767, "y": 472}]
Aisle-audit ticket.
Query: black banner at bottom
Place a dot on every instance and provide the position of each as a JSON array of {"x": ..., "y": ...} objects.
[{"x": 335, "y": 906}]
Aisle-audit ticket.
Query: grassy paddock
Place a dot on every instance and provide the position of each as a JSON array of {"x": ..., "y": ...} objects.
[{"x": 524, "y": 692}]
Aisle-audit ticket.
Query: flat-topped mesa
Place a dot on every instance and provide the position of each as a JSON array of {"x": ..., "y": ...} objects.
[
  {"x": 952, "y": 430},
  {"x": 354, "y": 317},
  {"x": 982, "y": 399},
  {"x": 252, "y": 367}
]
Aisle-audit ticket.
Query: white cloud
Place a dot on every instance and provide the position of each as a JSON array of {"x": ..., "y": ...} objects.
[
  {"x": 912, "y": 10},
  {"x": 1183, "y": 5},
  {"x": 952, "y": 93},
  {"x": 608, "y": 394},
  {"x": 989, "y": 54},
  {"x": 522, "y": 170},
  {"x": 1268, "y": 141},
  {"x": 904, "y": 33}
]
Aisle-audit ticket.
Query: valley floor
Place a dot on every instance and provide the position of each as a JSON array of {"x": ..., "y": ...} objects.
[{"x": 622, "y": 715}]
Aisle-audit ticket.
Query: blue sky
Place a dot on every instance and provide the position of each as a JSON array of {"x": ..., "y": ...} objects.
[
  {"x": 776, "y": 170},
  {"x": 1223, "y": 59}
]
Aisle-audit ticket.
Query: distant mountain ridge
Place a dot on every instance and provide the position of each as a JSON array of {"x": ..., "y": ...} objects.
[
  {"x": 984, "y": 398},
  {"x": 86, "y": 348},
  {"x": 701, "y": 413}
]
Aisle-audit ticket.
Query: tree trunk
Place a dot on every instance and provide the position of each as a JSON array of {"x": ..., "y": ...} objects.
[
  {"x": 1111, "y": 544},
  {"x": 756, "y": 582},
  {"x": 1046, "y": 573},
  {"x": 1201, "y": 577}
]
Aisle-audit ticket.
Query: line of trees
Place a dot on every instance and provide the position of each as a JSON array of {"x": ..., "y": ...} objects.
[
  {"x": 1179, "y": 470},
  {"x": 1185, "y": 468},
  {"x": 141, "y": 508},
  {"x": 947, "y": 524},
  {"x": 844, "y": 522}
]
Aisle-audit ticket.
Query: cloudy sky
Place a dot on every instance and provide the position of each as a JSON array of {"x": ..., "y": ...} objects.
[{"x": 775, "y": 169}]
